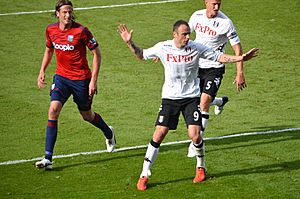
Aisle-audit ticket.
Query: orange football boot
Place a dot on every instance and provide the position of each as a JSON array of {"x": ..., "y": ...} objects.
[
  {"x": 142, "y": 183},
  {"x": 200, "y": 175}
]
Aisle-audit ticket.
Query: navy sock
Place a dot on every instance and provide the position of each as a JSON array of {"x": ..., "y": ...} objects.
[
  {"x": 51, "y": 135},
  {"x": 99, "y": 123}
]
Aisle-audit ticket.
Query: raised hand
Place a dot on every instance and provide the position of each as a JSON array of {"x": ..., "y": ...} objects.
[
  {"x": 124, "y": 33},
  {"x": 250, "y": 54}
]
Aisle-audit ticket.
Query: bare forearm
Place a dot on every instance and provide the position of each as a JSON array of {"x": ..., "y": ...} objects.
[
  {"x": 135, "y": 49},
  {"x": 238, "y": 51},
  {"x": 46, "y": 59},
  {"x": 224, "y": 58},
  {"x": 239, "y": 67},
  {"x": 96, "y": 64}
]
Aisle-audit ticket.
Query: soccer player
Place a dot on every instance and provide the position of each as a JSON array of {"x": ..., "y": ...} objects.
[
  {"x": 180, "y": 92},
  {"x": 213, "y": 29},
  {"x": 73, "y": 76}
]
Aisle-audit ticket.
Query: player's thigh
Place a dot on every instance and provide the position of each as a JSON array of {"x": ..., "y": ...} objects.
[
  {"x": 60, "y": 90},
  {"x": 168, "y": 114},
  {"x": 80, "y": 91},
  {"x": 211, "y": 80},
  {"x": 191, "y": 112}
]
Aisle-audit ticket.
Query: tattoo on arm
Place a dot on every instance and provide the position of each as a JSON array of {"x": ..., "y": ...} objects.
[
  {"x": 230, "y": 59},
  {"x": 135, "y": 49}
]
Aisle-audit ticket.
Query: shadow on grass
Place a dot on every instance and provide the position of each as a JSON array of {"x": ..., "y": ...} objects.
[
  {"x": 115, "y": 157},
  {"x": 272, "y": 168},
  {"x": 252, "y": 140},
  {"x": 150, "y": 185},
  {"x": 246, "y": 141}
]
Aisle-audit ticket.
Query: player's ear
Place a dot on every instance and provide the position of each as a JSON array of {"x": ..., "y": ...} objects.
[{"x": 56, "y": 14}]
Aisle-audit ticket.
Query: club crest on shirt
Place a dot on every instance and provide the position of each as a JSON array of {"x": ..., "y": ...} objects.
[
  {"x": 70, "y": 38},
  {"x": 188, "y": 49},
  {"x": 216, "y": 24}
]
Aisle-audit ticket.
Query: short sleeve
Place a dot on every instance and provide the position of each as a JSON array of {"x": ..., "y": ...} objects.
[
  {"x": 152, "y": 52},
  {"x": 208, "y": 53},
  {"x": 232, "y": 34},
  {"x": 48, "y": 40},
  {"x": 89, "y": 40}
]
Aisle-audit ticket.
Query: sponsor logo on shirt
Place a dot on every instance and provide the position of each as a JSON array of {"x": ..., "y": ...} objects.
[
  {"x": 205, "y": 29},
  {"x": 63, "y": 47},
  {"x": 179, "y": 58}
]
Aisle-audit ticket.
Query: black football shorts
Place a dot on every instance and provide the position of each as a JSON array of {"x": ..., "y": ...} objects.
[
  {"x": 210, "y": 80},
  {"x": 169, "y": 112}
]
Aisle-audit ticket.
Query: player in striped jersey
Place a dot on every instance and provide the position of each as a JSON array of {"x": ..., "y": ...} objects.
[{"x": 180, "y": 92}]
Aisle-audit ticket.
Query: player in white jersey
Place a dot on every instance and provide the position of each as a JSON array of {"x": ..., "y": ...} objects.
[
  {"x": 214, "y": 29},
  {"x": 180, "y": 93}
]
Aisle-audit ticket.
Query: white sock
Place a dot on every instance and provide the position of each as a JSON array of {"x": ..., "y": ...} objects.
[
  {"x": 202, "y": 134},
  {"x": 149, "y": 159},
  {"x": 200, "y": 156},
  {"x": 200, "y": 162},
  {"x": 205, "y": 117},
  {"x": 217, "y": 101}
]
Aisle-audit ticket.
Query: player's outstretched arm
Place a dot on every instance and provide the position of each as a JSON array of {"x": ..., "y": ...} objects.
[
  {"x": 250, "y": 54},
  {"x": 224, "y": 58},
  {"x": 127, "y": 38}
]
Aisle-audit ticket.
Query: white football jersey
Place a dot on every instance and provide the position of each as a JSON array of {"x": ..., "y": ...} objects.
[
  {"x": 214, "y": 33},
  {"x": 180, "y": 67}
]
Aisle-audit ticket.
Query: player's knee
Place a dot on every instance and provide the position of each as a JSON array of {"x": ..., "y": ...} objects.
[
  {"x": 160, "y": 133},
  {"x": 87, "y": 117},
  {"x": 53, "y": 112}
]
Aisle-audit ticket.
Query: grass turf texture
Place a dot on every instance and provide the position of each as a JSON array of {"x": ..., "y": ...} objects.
[{"x": 129, "y": 97}]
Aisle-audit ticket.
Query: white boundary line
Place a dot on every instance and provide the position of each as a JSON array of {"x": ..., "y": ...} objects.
[
  {"x": 145, "y": 146},
  {"x": 95, "y": 7}
]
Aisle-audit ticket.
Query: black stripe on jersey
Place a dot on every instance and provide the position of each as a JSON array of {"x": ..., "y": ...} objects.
[{"x": 233, "y": 35}]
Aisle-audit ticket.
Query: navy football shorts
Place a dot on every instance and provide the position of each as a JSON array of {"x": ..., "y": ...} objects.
[{"x": 62, "y": 88}]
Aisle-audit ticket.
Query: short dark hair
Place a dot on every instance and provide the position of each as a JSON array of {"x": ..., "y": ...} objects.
[
  {"x": 61, "y": 3},
  {"x": 179, "y": 23}
]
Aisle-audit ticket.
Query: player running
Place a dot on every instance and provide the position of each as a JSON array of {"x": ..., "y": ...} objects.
[
  {"x": 180, "y": 92},
  {"x": 72, "y": 77}
]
